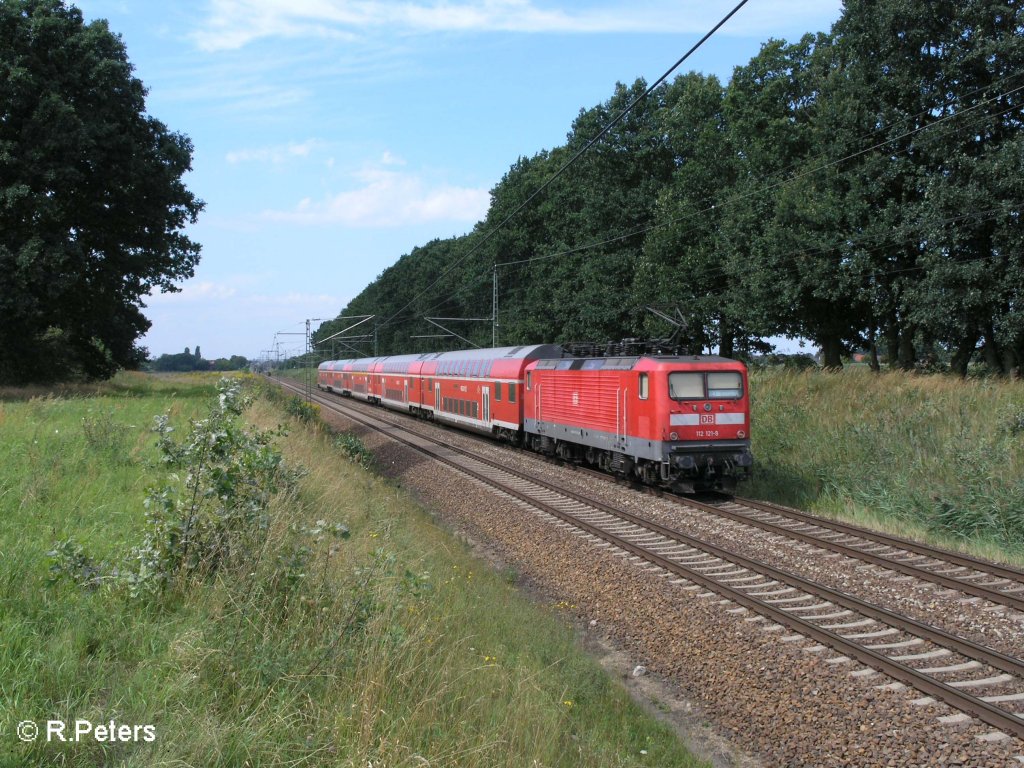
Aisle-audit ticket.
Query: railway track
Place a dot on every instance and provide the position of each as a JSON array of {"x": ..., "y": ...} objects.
[
  {"x": 978, "y": 681},
  {"x": 996, "y": 583}
]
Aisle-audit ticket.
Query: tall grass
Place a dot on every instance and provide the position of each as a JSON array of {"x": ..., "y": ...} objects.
[
  {"x": 916, "y": 453},
  {"x": 385, "y": 645}
]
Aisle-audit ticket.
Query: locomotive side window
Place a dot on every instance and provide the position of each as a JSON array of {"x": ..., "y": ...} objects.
[
  {"x": 643, "y": 386},
  {"x": 725, "y": 385},
  {"x": 685, "y": 385}
]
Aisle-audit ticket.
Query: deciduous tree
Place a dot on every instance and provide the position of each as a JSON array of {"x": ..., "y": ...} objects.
[{"x": 92, "y": 203}]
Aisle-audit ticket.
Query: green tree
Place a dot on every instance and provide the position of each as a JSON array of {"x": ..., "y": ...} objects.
[
  {"x": 938, "y": 85},
  {"x": 684, "y": 257},
  {"x": 92, "y": 203}
]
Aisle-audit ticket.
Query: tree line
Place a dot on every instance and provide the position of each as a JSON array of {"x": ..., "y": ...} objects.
[
  {"x": 860, "y": 188},
  {"x": 194, "y": 361}
]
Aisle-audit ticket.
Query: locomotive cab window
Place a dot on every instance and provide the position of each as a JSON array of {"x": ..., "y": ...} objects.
[
  {"x": 684, "y": 385},
  {"x": 644, "y": 386},
  {"x": 725, "y": 385}
]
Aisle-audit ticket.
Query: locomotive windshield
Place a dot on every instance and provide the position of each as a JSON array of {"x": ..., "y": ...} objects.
[
  {"x": 713, "y": 385},
  {"x": 724, "y": 385},
  {"x": 686, "y": 386}
]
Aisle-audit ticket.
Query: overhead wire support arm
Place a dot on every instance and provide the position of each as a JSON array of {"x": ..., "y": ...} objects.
[
  {"x": 450, "y": 332},
  {"x": 346, "y": 330}
]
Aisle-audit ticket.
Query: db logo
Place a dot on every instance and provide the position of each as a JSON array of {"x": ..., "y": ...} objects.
[{"x": 707, "y": 418}]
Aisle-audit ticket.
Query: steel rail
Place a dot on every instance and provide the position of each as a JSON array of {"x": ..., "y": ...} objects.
[
  {"x": 1011, "y": 599},
  {"x": 991, "y": 594},
  {"x": 897, "y": 542}
]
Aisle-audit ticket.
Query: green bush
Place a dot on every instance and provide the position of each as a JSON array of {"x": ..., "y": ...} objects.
[{"x": 211, "y": 512}]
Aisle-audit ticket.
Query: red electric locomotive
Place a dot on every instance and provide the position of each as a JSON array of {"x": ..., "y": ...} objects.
[
  {"x": 678, "y": 421},
  {"x": 682, "y": 422}
]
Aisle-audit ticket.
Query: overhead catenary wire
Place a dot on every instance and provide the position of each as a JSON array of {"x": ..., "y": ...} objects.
[
  {"x": 777, "y": 183},
  {"x": 774, "y": 183},
  {"x": 571, "y": 161},
  {"x": 763, "y": 189},
  {"x": 932, "y": 110}
]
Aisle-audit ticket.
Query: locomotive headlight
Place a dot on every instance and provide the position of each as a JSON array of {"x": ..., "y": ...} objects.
[
  {"x": 707, "y": 406},
  {"x": 740, "y": 433},
  {"x": 673, "y": 435}
]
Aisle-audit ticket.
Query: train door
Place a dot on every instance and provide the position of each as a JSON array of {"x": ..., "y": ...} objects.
[
  {"x": 407, "y": 390},
  {"x": 487, "y": 405},
  {"x": 621, "y": 425},
  {"x": 437, "y": 396},
  {"x": 538, "y": 410}
]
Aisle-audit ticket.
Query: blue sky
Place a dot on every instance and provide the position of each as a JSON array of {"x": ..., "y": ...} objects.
[{"x": 333, "y": 136}]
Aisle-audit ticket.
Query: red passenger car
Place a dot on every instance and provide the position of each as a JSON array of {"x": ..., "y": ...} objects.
[{"x": 477, "y": 389}]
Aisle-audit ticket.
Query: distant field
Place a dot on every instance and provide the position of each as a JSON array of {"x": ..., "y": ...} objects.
[
  {"x": 921, "y": 455},
  {"x": 387, "y": 645}
]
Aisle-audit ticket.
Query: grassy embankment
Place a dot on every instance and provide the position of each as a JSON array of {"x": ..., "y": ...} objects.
[
  {"x": 923, "y": 456},
  {"x": 389, "y": 646}
]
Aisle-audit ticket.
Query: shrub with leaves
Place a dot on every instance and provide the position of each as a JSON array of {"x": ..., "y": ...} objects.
[
  {"x": 211, "y": 513},
  {"x": 302, "y": 410},
  {"x": 354, "y": 449},
  {"x": 105, "y": 435}
]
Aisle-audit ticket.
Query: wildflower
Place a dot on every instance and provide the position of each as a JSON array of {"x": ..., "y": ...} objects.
[{"x": 568, "y": 703}]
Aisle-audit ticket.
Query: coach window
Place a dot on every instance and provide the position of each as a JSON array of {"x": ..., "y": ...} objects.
[
  {"x": 497, "y": 390},
  {"x": 511, "y": 391},
  {"x": 686, "y": 385},
  {"x": 643, "y": 386}
]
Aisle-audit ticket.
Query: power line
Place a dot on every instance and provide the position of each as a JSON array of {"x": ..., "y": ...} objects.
[
  {"x": 497, "y": 228},
  {"x": 764, "y": 188}
]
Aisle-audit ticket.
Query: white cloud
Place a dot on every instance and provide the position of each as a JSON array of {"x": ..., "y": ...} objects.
[
  {"x": 193, "y": 291},
  {"x": 389, "y": 198},
  {"x": 234, "y": 23},
  {"x": 315, "y": 301},
  {"x": 276, "y": 155}
]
